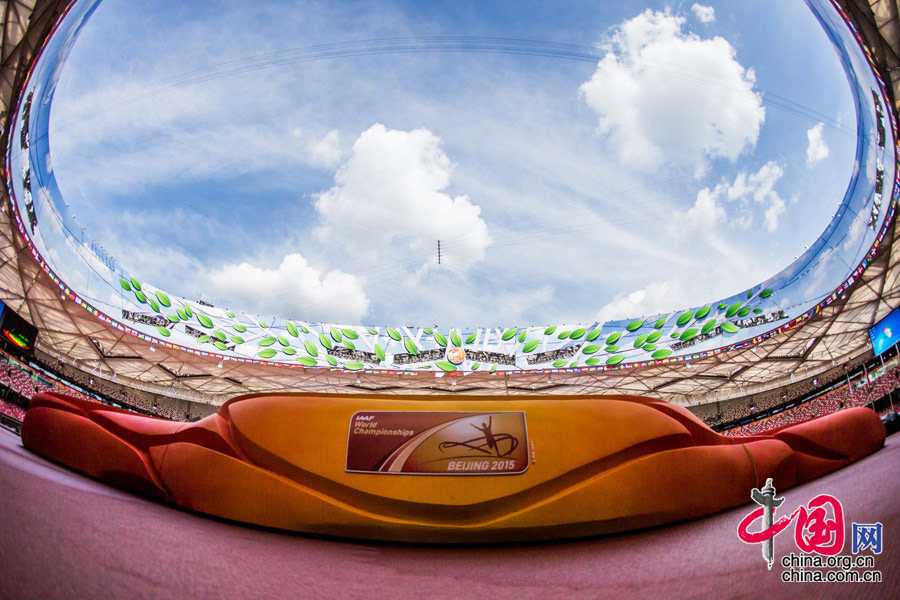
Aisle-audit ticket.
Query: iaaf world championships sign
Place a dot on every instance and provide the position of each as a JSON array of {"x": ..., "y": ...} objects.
[{"x": 438, "y": 443}]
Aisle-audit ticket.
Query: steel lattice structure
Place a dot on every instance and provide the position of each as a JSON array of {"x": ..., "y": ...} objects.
[{"x": 836, "y": 335}]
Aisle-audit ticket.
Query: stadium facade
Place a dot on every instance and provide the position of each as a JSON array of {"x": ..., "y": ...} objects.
[{"x": 800, "y": 323}]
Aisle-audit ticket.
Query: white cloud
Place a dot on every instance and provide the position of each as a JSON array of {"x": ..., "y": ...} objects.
[
  {"x": 817, "y": 150},
  {"x": 706, "y": 14},
  {"x": 746, "y": 195},
  {"x": 389, "y": 199},
  {"x": 294, "y": 288},
  {"x": 664, "y": 96},
  {"x": 327, "y": 150},
  {"x": 657, "y": 297}
]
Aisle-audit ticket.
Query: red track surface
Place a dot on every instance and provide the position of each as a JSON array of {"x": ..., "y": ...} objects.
[{"x": 65, "y": 536}]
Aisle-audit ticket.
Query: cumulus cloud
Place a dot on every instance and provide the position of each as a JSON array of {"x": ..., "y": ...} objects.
[
  {"x": 739, "y": 201},
  {"x": 294, "y": 288},
  {"x": 389, "y": 197},
  {"x": 657, "y": 297},
  {"x": 817, "y": 150},
  {"x": 706, "y": 14},
  {"x": 667, "y": 97},
  {"x": 327, "y": 150}
]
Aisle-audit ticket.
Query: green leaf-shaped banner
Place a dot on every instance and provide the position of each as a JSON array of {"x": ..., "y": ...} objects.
[
  {"x": 654, "y": 336},
  {"x": 237, "y": 339},
  {"x": 283, "y": 341},
  {"x": 641, "y": 340},
  {"x": 733, "y": 310},
  {"x": 379, "y": 352},
  {"x": 440, "y": 339},
  {"x": 744, "y": 311},
  {"x": 410, "y": 346},
  {"x": 445, "y": 365},
  {"x": 613, "y": 338},
  {"x": 660, "y": 323},
  {"x": 615, "y": 359},
  {"x": 310, "y": 348},
  {"x": 563, "y": 334},
  {"x": 578, "y": 333},
  {"x": 205, "y": 321},
  {"x": 292, "y": 329},
  {"x": 708, "y": 326},
  {"x": 635, "y": 325},
  {"x": 135, "y": 284},
  {"x": 523, "y": 335},
  {"x": 594, "y": 334},
  {"x": 307, "y": 361},
  {"x": 239, "y": 328},
  {"x": 266, "y": 341},
  {"x": 660, "y": 354},
  {"x": 267, "y": 353},
  {"x": 765, "y": 293},
  {"x": 153, "y": 304},
  {"x": 455, "y": 339},
  {"x": 353, "y": 365},
  {"x": 729, "y": 327},
  {"x": 125, "y": 285},
  {"x": 591, "y": 349},
  {"x": 550, "y": 330},
  {"x": 688, "y": 334},
  {"x": 702, "y": 312},
  {"x": 140, "y": 296},
  {"x": 336, "y": 335},
  {"x": 163, "y": 331},
  {"x": 325, "y": 341},
  {"x": 471, "y": 337},
  {"x": 530, "y": 346},
  {"x": 331, "y": 360},
  {"x": 220, "y": 335},
  {"x": 395, "y": 335},
  {"x": 163, "y": 299},
  {"x": 684, "y": 318},
  {"x": 507, "y": 335},
  {"x": 350, "y": 334}
]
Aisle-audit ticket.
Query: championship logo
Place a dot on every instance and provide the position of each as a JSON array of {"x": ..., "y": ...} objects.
[
  {"x": 456, "y": 355},
  {"x": 438, "y": 443}
]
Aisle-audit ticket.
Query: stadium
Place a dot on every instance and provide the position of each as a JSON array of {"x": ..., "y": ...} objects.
[{"x": 161, "y": 445}]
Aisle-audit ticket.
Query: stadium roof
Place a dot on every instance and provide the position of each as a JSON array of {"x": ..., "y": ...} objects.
[{"x": 830, "y": 334}]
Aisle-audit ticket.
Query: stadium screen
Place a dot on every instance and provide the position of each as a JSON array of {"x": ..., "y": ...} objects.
[
  {"x": 16, "y": 331},
  {"x": 886, "y": 332}
]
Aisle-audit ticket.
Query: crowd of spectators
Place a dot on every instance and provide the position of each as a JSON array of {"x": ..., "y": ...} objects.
[
  {"x": 19, "y": 382},
  {"x": 858, "y": 393},
  {"x": 729, "y": 411}
]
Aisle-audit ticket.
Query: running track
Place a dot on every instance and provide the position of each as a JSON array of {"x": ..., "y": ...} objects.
[{"x": 65, "y": 536}]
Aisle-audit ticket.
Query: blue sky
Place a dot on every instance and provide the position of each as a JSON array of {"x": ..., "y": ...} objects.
[{"x": 698, "y": 152}]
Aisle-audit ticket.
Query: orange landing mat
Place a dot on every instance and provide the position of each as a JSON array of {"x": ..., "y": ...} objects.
[{"x": 422, "y": 469}]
